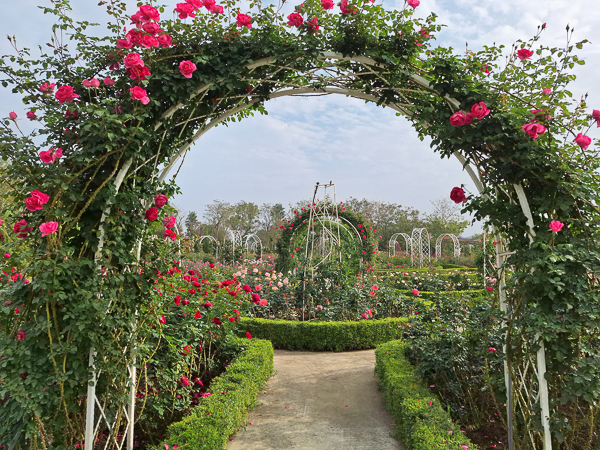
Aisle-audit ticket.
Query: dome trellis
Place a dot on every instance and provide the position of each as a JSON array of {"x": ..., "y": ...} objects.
[
  {"x": 439, "y": 241},
  {"x": 114, "y": 147},
  {"x": 393, "y": 241}
]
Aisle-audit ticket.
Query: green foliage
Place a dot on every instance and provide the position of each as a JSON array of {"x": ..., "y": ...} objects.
[
  {"x": 216, "y": 417},
  {"x": 317, "y": 336},
  {"x": 422, "y": 422}
]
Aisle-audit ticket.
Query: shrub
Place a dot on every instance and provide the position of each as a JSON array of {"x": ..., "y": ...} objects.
[
  {"x": 334, "y": 336},
  {"x": 233, "y": 393},
  {"x": 422, "y": 423}
]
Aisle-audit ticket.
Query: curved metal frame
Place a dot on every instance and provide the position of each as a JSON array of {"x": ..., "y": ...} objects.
[
  {"x": 235, "y": 237},
  {"x": 420, "y": 249},
  {"x": 214, "y": 240},
  {"x": 438, "y": 245},
  {"x": 392, "y": 243},
  {"x": 253, "y": 242}
]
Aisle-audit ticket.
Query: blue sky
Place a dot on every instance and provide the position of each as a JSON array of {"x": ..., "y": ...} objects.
[{"x": 366, "y": 150}]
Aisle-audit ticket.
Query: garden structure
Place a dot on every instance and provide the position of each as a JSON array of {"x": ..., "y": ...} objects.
[{"x": 81, "y": 306}]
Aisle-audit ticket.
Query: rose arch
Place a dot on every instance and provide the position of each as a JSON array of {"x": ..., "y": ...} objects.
[{"x": 108, "y": 148}]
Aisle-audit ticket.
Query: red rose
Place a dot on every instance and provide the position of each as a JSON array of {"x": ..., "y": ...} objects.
[
  {"x": 479, "y": 110},
  {"x": 36, "y": 201},
  {"x": 248, "y": 335},
  {"x": 243, "y": 20},
  {"x": 65, "y": 94},
  {"x": 133, "y": 60},
  {"x": 458, "y": 118},
  {"x": 457, "y": 195},
  {"x": 187, "y": 68},
  {"x": 524, "y": 54},
  {"x": 165, "y": 40},
  {"x": 160, "y": 200},
  {"x": 138, "y": 73},
  {"x": 295, "y": 20},
  {"x": 151, "y": 214}
]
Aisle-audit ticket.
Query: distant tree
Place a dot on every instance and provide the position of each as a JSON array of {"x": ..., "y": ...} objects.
[
  {"x": 191, "y": 224},
  {"x": 243, "y": 217},
  {"x": 269, "y": 219},
  {"x": 445, "y": 218},
  {"x": 216, "y": 214}
]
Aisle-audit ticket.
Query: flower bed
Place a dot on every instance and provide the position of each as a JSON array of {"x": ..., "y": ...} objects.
[
  {"x": 334, "y": 336},
  {"x": 233, "y": 393},
  {"x": 422, "y": 423}
]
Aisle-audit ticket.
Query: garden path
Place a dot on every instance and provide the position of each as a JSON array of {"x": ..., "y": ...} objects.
[{"x": 320, "y": 401}]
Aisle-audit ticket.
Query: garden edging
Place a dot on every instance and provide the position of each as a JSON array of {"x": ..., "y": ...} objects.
[
  {"x": 318, "y": 336},
  {"x": 421, "y": 421},
  {"x": 234, "y": 392}
]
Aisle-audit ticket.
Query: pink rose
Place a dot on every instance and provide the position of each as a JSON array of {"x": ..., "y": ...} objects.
[
  {"x": 31, "y": 115},
  {"x": 48, "y": 228},
  {"x": 479, "y": 110},
  {"x": 138, "y": 73},
  {"x": 187, "y": 68},
  {"x": 20, "y": 335},
  {"x": 534, "y": 129},
  {"x": 95, "y": 82},
  {"x": 295, "y": 20},
  {"x": 109, "y": 81},
  {"x": 134, "y": 36},
  {"x": 344, "y": 8},
  {"x": 263, "y": 302},
  {"x": 49, "y": 156},
  {"x": 217, "y": 9},
  {"x": 151, "y": 28},
  {"x": 65, "y": 94},
  {"x": 458, "y": 119},
  {"x": 413, "y": 3},
  {"x": 583, "y": 141},
  {"x": 165, "y": 40},
  {"x": 149, "y": 13},
  {"x": 12, "y": 115},
  {"x": 161, "y": 200},
  {"x": 489, "y": 288},
  {"x": 36, "y": 201},
  {"x": 185, "y": 10},
  {"x": 327, "y": 4},
  {"x": 415, "y": 292},
  {"x": 313, "y": 24},
  {"x": 47, "y": 88},
  {"x": 524, "y": 54},
  {"x": 546, "y": 91},
  {"x": 137, "y": 93},
  {"x": 195, "y": 3},
  {"x": 209, "y": 4},
  {"x": 243, "y": 20},
  {"x": 133, "y": 60},
  {"x": 149, "y": 41},
  {"x": 319, "y": 307},
  {"x": 457, "y": 195},
  {"x": 124, "y": 43},
  {"x": 21, "y": 229},
  {"x": 169, "y": 222},
  {"x": 556, "y": 226},
  {"x": 151, "y": 214}
]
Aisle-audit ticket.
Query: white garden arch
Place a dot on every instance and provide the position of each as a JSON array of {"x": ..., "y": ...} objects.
[
  {"x": 438, "y": 245},
  {"x": 323, "y": 83},
  {"x": 213, "y": 240},
  {"x": 254, "y": 244},
  {"x": 393, "y": 241}
]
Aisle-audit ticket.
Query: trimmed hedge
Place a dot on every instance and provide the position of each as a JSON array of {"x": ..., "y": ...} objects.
[
  {"x": 315, "y": 336},
  {"x": 422, "y": 422},
  {"x": 210, "y": 424},
  {"x": 474, "y": 293}
]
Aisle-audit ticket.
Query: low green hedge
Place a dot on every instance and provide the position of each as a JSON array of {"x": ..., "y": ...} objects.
[
  {"x": 473, "y": 293},
  {"x": 315, "y": 336},
  {"x": 210, "y": 424},
  {"x": 422, "y": 422}
]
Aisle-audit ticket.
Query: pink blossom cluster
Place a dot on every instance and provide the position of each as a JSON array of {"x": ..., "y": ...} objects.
[
  {"x": 478, "y": 111},
  {"x": 147, "y": 33},
  {"x": 189, "y": 8}
]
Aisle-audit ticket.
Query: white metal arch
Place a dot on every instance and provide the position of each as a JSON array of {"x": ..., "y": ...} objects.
[
  {"x": 393, "y": 241},
  {"x": 213, "y": 240},
  {"x": 254, "y": 245},
  {"x": 420, "y": 249},
  {"x": 438, "y": 245}
]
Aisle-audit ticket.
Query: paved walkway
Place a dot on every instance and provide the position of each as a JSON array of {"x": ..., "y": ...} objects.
[{"x": 320, "y": 401}]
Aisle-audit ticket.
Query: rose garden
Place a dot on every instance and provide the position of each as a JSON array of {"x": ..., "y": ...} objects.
[{"x": 119, "y": 330}]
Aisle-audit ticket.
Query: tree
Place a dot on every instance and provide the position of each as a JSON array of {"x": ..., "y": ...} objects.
[
  {"x": 243, "y": 217},
  {"x": 445, "y": 218},
  {"x": 216, "y": 214},
  {"x": 191, "y": 223}
]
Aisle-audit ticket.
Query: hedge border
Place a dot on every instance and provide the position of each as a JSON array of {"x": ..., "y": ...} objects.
[
  {"x": 422, "y": 422},
  {"x": 234, "y": 392},
  {"x": 318, "y": 336}
]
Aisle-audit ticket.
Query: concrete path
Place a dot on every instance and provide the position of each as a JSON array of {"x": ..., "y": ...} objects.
[{"x": 320, "y": 401}]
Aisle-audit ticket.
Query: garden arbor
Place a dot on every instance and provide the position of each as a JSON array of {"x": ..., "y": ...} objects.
[{"x": 165, "y": 89}]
